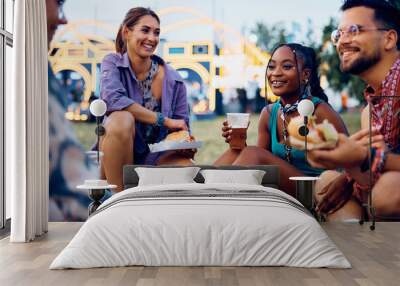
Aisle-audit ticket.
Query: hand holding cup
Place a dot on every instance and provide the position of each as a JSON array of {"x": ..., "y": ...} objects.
[{"x": 235, "y": 129}]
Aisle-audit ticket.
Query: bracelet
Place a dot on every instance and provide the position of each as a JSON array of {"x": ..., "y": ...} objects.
[
  {"x": 160, "y": 119},
  {"x": 365, "y": 164},
  {"x": 379, "y": 161}
]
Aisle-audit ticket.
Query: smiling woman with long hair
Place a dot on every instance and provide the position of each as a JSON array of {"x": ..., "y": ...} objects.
[
  {"x": 146, "y": 98},
  {"x": 292, "y": 74}
]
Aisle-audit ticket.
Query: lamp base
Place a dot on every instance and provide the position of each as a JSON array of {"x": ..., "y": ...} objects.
[
  {"x": 96, "y": 195},
  {"x": 304, "y": 193}
]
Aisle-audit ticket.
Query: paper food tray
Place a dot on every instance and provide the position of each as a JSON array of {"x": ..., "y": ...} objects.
[{"x": 171, "y": 145}]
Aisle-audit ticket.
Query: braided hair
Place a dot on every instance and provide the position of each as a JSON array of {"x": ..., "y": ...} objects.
[{"x": 309, "y": 59}]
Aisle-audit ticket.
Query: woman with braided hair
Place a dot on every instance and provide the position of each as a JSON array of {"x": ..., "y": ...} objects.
[{"x": 292, "y": 74}]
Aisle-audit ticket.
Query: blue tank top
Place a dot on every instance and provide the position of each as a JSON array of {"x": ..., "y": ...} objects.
[{"x": 297, "y": 156}]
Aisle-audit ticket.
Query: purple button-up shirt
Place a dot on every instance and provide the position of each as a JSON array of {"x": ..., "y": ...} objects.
[{"x": 119, "y": 89}]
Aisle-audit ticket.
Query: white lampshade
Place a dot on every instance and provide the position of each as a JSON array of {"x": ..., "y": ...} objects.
[
  {"x": 305, "y": 107},
  {"x": 98, "y": 107}
]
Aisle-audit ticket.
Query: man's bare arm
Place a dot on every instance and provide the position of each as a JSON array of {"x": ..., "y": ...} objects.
[{"x": 361, "y": 178}]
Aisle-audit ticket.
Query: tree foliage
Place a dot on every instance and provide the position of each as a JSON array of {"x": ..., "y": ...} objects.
[
  {"x": 395, "y": 3},
  {"x": 268, "y": 37}
]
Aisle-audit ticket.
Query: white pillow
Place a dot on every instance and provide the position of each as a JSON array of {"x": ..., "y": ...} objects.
[
  {"x": 248, "y": 177},
  {"x": 166, "y": 176}
]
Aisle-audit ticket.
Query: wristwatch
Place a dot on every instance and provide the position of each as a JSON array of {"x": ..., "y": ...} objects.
[{"x": 160, "y": 119}]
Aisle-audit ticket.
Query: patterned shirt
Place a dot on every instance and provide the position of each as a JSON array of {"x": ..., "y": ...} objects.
[
  {"x": 385, "y": 115},
  {"x": 385, "y": 107}
]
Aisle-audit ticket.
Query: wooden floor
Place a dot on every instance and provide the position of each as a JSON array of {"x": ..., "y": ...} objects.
[{"x": 375, "y": 257}]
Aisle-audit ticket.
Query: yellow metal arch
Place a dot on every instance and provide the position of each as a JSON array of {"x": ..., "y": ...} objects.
[
  {"x": 198, "y": 68},
  {"x": 82, "y": 49},
  {"x": 262, "y": 57},
  {"x": 204, "y": 75},
  {"x": 73, "y": 26},
  {"x": 85, "y": 76},
  {"x": 62, "y": 60},
  {"x": 256, "y": 55}
]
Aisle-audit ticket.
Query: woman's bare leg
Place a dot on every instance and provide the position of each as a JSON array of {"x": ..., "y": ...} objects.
[
  {"x": 228, "y": 157},
  {"x": 350, "y": 210},
  {"x": 258, "y": 156},
  {"x": 117, "y": 146},
  {"x": 386, "y": 195}
]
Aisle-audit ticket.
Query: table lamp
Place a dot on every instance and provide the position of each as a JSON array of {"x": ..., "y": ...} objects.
[
  {"x": 305, "y": 109},
  {"x": 98, "y": 108}
]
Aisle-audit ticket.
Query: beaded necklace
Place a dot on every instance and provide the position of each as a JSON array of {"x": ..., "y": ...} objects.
[{"x": 285, "y": 110}]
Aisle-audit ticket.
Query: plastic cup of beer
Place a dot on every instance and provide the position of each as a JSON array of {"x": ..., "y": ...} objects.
[{"x": 239, "y": 123}]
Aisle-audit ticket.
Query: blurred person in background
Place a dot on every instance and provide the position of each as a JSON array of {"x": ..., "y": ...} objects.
[
  {"x": 251, "y": 91},
  {"x": 69, "y": 166}
]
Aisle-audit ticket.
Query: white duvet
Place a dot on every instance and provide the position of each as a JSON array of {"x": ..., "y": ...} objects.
[{"x": 266, "y": 229}]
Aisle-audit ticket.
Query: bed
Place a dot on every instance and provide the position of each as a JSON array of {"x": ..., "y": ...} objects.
[{"x": 201, "y": 224}]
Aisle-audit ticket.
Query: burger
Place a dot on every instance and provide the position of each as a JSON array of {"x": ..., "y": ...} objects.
[
  {"x": 320, "y": 136},
  {"x": 179, "y": 136}
]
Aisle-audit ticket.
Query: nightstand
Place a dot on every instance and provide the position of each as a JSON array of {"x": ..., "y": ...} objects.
[
  {"x": 305, "y": 191},
  {"x": 97, "y": 190}
]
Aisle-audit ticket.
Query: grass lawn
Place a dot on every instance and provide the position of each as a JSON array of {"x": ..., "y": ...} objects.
[{"x": 210, "y": 133}]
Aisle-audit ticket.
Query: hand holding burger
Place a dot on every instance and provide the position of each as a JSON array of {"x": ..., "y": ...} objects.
[
  {"x": 182, "y": 136},
  {"x": 179, "y": 136},
  {"x": 349, "y": 152},
  {"x": 320, "y": 136}
]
